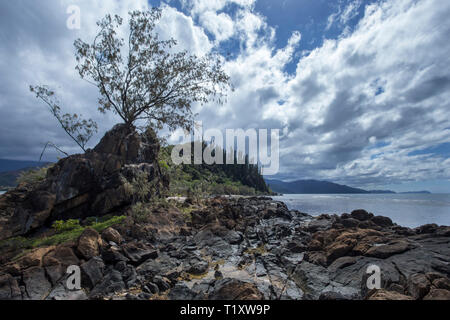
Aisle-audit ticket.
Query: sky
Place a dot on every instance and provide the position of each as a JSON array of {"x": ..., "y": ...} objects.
[{"x": 359, "y": 89}]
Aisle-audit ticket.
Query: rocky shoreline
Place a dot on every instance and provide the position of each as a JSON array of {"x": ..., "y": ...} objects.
[
  {"x": 239, "y": 248},
  {"x": 216, "y": 248}
]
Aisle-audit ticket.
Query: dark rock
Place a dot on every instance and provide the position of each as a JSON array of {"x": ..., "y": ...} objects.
[
  {"x": 162, "y": 283},
  {"x": 387, "y": 250},
  {"x": 388, "y": 295},
  {"x": 382, "y": 221},
  {"x": 317, "y": 258},
  {"x": 350, "y": 223},
  {"x": 232, "y": 289},
  {"x": 438, "y": 294},
  {"x": 111, "y": 283},
  {"x": 163, "y": 266},
  {"x": 36, "y": 284},
  {"x": 61, "y": 293},
  {"x": 138, "y": 253},
  {"x": 113, "y": 235},
  {"x": 418, "y": 286},
  {"x": 329, "y": 295},
  {"x": 342, "y": 262},
  {"x": 295, "y": 247},
  {"x": 129, "y": 276},
  {"x": 9, "y": 288},
  {"x": 442, "y": 283},
  {"x": 144, "y": 296},
  {"x": 120, "y": 266},
  {"x": 89, "y": 244},
  {"x": 234, "y": 237},
  {"x": 361, "y": 215},
  {"x": 427, "y": 229},
  {"x": 151, "y": 288},
  {"x": 181, "y": 292},
  {"x": 113, "y": 255},
  {"x": 197, "y": 266},
  {"x": 92, "y": 272},
  {"x": 55, "y": 273},
  {"x": 79, "y": 186}
]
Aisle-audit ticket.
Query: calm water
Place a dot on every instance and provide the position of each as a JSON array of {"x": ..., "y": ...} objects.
[{"x": 409, "y": 210}]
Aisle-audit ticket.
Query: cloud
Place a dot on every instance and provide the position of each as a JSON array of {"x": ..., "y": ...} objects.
[
  {"x": 37, "y": 48},
  {"x": 344, "y": 14},
  {"x": 354, "y": 110},
  {"x": 386, "y": 81}
]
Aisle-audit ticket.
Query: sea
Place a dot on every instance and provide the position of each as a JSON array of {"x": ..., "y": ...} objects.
[{"x": 408, "y": 210}]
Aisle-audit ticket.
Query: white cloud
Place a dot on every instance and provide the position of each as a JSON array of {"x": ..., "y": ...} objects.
[{"x": 353, "y": 111}]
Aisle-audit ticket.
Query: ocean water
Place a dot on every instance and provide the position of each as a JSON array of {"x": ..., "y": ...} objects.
[{"x": 408, "y": 210}]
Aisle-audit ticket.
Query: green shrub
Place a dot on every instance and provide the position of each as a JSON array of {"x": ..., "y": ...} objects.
[
  {"x": 67, "y": 231},
  {"x": 63, "y": 226},
  {"x": 32, "y": 176},
  {"x": 140, "y": 212}
]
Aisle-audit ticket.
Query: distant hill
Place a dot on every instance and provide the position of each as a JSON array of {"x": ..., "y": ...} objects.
[
  {"x": 416, "y": 192},
  {"x": 216, "y": 179},
  {"x": 10, "y": 170},
  {"x": 324, "y": 187},
  {"x": 382, "y": 192},
  {"x": 15, "y": 165},
  {"x": 311, "y": 187}
]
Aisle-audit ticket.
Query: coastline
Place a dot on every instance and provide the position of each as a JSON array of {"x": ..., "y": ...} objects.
[{"x": 244, "y": 247}]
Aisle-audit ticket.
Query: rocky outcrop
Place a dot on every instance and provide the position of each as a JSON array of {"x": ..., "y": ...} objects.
[
  {"x": 99, "y": 182},
  {"x": 240, "y": 248}
]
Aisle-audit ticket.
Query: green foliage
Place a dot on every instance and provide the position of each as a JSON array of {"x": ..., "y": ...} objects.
[
  {"x": 63, "y": 226},
  {"x": 65, "y": 231},
  {"x": 77, "y": 128},
  {"x": 105, "y": 224},
  {"x": 197, "y": 181},
  {"x": 140, "y": 212},
  {"x": 32, "y": 176},
  {"x": 145, "y": 78}
]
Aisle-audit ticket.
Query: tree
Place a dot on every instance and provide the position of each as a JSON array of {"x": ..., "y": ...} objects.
[
  {"x": 143, "y": 78},
  {"x": 78, "y": 129}
]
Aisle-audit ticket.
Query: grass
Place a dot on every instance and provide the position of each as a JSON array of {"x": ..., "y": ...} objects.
[{"x": 66, "y": 231}]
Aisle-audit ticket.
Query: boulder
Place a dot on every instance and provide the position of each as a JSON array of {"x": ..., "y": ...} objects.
[
  {"x": 382, "y": 221},
  {"x": 92, "y": 272},
  {"x": 442, "y": 283},
  {"x": 62, "y": 255},
  {"x": 60, "y": 292},
  {"x": 418, "y": 286},
  {"x": 349, "y": 223},
  {"x": 89, "y": 244},
  {"x": 388, "y": 295},
  {"x": 112, "y": 235},
  {"x": 112, "y": 283},
  {"x": 181, "y": 292},
  {"x": 232, "y": 289},
  {"x": 387, "y": 250},
  {"x": 138, "y": 253},
  {"x": 437, "y": 294},
  {"x": 197, "y": 266},
  {"x": 92, "y": 184},
  {"x": 36, "y": 284},
  {"x": 361, "y": 215},
  {"x": 9, "y": 289}
]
